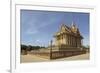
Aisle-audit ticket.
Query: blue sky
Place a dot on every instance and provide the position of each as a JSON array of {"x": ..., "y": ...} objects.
[{"x": 38, "y": 27}]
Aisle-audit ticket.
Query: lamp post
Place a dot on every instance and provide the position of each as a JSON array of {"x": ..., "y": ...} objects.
[{"x": 51, "y": 49}]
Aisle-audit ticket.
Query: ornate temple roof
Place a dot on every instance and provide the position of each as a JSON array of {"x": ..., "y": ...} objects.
[{"x": 73, "y": 30}]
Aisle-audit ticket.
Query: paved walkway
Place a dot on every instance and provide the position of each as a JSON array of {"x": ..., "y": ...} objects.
[{"x": 33, "y": 58}]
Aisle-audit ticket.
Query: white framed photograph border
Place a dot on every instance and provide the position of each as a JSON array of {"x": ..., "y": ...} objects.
[{"x": 16, "y": 66}]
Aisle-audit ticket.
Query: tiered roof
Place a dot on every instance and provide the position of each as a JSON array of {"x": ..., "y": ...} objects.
[{"x": 73, "y": 30}]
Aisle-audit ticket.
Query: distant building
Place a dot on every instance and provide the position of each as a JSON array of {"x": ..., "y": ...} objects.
[{"x": 68, "y": 38}]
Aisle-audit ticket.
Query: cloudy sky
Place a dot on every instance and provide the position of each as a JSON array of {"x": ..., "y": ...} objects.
[{"x": 38, "y": 27}]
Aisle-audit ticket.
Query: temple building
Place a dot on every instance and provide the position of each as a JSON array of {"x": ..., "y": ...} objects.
[{"x": 68, "y": 38}]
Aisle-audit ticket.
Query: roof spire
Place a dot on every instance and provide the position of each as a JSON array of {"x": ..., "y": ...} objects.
[
  {"x": 73, "y": 21},
  {"x": 73, "y": 24}
]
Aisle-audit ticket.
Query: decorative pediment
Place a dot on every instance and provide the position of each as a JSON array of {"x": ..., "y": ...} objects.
[{"x": 65, "y": 28}]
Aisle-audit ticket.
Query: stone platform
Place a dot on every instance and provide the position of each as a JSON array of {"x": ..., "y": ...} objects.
[{"x": 58, "y": 54}]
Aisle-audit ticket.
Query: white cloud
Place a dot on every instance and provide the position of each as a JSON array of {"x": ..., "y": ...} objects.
[{"x": 37, "y": 40}]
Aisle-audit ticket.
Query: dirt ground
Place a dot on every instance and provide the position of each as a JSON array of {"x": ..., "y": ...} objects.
[{"x": 33, "y": 58}]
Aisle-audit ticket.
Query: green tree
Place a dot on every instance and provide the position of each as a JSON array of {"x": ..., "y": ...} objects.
[
  {"x": 24, "y": 47},
  {"x": 29, "y": 48}
]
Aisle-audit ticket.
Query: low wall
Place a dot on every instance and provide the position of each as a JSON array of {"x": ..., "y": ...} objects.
[
  {"x": 58, "y": 54},
  {"x": 61, "y": 54}
]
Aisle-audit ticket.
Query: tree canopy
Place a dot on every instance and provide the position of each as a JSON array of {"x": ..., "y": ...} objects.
[{"x": 30, "y": 47}]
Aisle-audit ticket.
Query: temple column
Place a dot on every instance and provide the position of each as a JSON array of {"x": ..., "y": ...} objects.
[
  {"x": 68, "y": 39},
  {"x": 74, "y": 41},
  {"x": 71, "y": 40},
  {"x": 64, "y": 39},
  {"x": 80, "y": 42},
  {"x": 77, "y": 43},
  {"x": 61, "y": 39}
]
